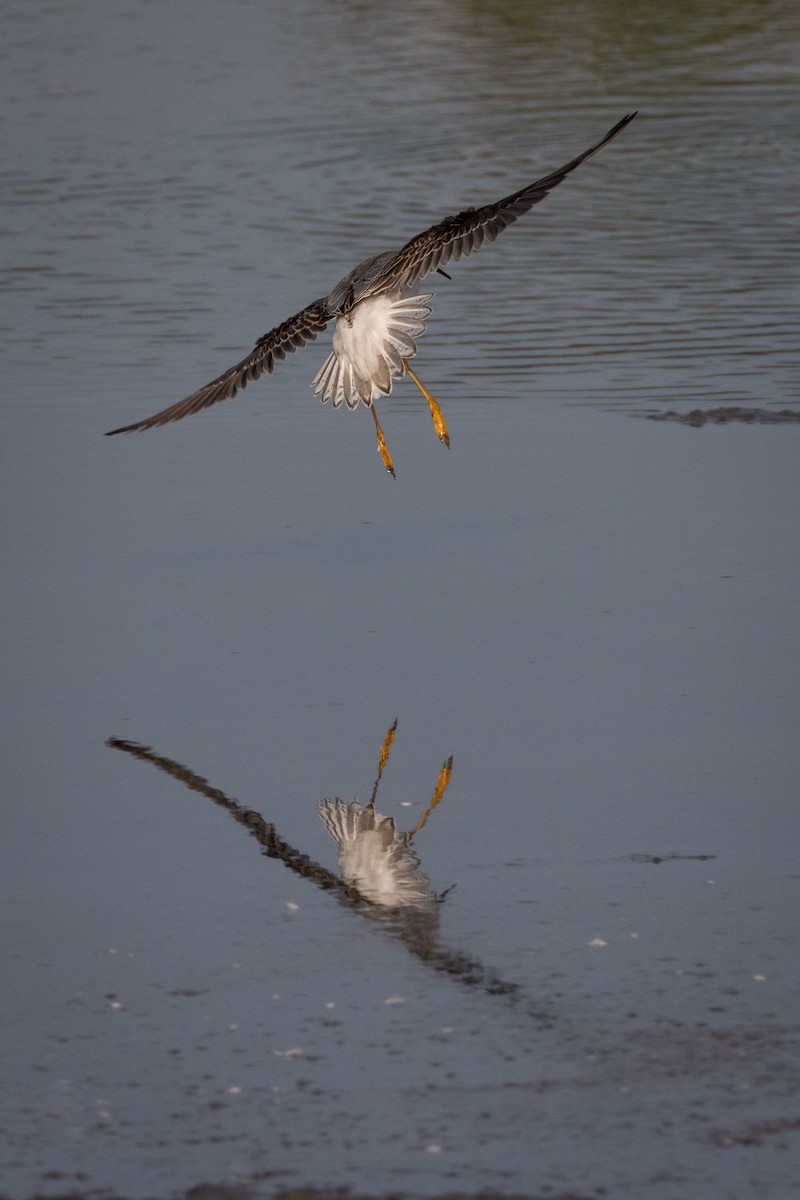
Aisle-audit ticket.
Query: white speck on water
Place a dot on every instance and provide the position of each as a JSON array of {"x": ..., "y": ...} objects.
[{"x": 598, "y": 942}]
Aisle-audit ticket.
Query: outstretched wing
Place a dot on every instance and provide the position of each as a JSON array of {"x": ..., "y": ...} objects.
[
  {"x": 271, "y": 348},
  {"x": 457, "y": 236}
]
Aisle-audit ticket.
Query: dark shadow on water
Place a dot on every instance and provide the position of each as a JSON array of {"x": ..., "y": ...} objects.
[
  {"x": 655, "y": 859},
  {"x": 727, "y": 416},
  {"x": 380, "y": 878},
  {"x": 210, "y": 1191}
]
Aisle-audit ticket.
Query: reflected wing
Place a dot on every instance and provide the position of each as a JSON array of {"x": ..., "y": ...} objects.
[
  {"x": 263, "y": 831},
  {"x": 271, "y": 348},
  {"x": 457, "y": 236}
]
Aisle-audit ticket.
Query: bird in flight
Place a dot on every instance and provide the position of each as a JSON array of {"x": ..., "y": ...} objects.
[{"x": 379, "y": 314}]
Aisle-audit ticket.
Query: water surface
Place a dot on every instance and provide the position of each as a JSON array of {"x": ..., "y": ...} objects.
[{"x": 594, "y": 613}]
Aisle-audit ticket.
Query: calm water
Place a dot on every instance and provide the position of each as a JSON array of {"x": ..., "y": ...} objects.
[{"x": 593, "y": 612}]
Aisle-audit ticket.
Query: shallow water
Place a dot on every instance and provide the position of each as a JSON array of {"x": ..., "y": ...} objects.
[{"x": 594, "y": 613}]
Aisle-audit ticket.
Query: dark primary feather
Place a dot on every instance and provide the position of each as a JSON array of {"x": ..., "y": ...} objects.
[
  {"x": 457, "y": 236},
  {"x": 452, "y": 238},
  {"x": 271, "y": 348}
]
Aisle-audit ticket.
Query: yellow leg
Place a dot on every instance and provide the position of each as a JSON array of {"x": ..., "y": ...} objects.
[
  {"x": 441, "y": 788},
  {"x": 439, "y": 423},
  {"x": 382, "y": 761},
  {"x": 385, "y": 455}
]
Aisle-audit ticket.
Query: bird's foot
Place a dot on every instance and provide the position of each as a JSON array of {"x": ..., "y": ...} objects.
[
  {"x": 439, "y": 423},
  {"x": 382, "y": 447}
]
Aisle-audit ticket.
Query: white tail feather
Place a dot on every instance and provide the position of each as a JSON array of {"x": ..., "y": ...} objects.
[
  {"x": 369, "y": 346},
  {"x": 374, "y": 856}
]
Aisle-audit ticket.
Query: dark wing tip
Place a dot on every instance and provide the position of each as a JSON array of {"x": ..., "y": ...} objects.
[
  {"x": 272, "y": 347},
  {"x": 626, "y": 120},
  {"x": 125, "y": 429}
]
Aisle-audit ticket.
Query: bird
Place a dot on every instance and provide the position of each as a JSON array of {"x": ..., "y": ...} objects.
[{"x": 379, "y": 314}]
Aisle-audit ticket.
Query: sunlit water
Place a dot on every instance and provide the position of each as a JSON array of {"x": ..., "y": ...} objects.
[{"x": 594, "y": 613}]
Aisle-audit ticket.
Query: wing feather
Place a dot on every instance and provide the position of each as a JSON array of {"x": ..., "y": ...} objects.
[
  {"x": 271, "y": 348},
  {"x": 453, "y": 238},
  {"x": 457, "y": 236}
]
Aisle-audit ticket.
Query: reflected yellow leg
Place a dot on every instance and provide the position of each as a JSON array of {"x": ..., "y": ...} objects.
[
  {"x": 439, "y": 423},
  {"x": 382, "y": 761},
  {"x": 385, "y": 455},
  {"x": 441, "y": 788}
]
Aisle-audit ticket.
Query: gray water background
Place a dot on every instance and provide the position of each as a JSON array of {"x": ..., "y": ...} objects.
[{"x": 595, "y": 613}]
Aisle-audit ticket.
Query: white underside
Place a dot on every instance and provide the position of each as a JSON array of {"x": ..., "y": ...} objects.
[
  {"x": 369, "y": 346},
  {"x": 375, "y": 857}
]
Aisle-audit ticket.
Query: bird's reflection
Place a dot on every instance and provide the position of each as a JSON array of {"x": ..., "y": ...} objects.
[
  {"x": 373, "y": 855},
  {"x": 381, "y": 875}
]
